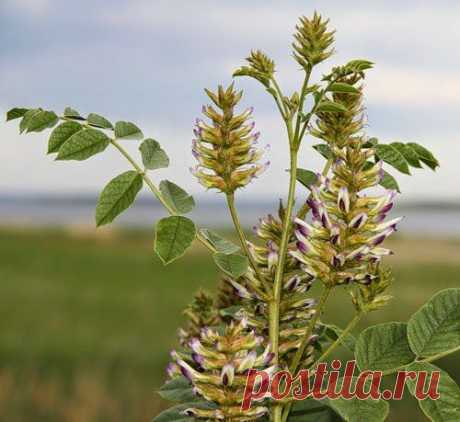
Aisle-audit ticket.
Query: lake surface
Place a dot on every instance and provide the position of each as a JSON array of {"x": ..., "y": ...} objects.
[{"x": 421, "y": 219}]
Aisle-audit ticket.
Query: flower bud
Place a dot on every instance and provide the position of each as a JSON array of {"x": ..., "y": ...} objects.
[
  {"x": 358, "y": 221},
  {"x": 228, "y": 374},
  {"x": 343, "y": 200}
]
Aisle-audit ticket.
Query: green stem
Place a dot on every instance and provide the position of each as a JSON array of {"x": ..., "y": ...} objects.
[
  {"x": 440, "y": 355},
  {"x": 243, "y": 240},
  {"x": 277, "y": 414},
  {"x": 303, "y": 94},
  {"x": 313, "y": 110},
  {"x": 274, "y": 306},
  {"x": 155, "y": 190},
  {"x": 275, "y": 303},
  {"x": 149, "y": 183},
  {"x": 147, "y": 179},
  {"x": 328, "y": 351},
  {"x": 351, "y": 325},
  {"x": 425, "y": 360},
  {"x": 279, "y": 100},
  {"x": 311, "y": 326}
]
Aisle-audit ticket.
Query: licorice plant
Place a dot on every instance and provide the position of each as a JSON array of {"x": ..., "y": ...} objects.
[{"x": 264, "y": 315}]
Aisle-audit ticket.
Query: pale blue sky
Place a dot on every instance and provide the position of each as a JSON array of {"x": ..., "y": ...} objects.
[{"x": 148, "y": 61}]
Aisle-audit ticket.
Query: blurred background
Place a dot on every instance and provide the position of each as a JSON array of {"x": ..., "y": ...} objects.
[{"x": 87, "y": 316}]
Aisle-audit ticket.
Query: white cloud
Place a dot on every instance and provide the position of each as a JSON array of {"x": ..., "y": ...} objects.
[
  {"x": 420, "y": 29},
  {"x": 413, "y": 87},
  {"x": 415, "y": 71},
  {"x": 181, "y": 16},
  {"x": 426, "y": 24}
]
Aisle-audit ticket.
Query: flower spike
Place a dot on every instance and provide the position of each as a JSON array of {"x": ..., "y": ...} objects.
[{"x": 225, "y": 147}]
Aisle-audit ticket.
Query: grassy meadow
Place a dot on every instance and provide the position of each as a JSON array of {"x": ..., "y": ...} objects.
[{"x": 87, "y": 320}]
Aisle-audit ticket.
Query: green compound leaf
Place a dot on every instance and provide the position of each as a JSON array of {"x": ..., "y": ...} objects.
[
  {"x": 306, "y": 177},
  {"x": 98, "y": 121},
  {"x": 153, "y": 156},
  {"x": 312, "y": 410},
  {"x": 383, "y": 347},
  {"x": 408, "y": 153},
  {"x": 117, "y": 196},
  {"x": 218, "y": 242},
  {"x": 327, "y": 106},
  {"x": 61, "y": 134},
  {"x": 37, "y": 120},
  {"x": 72, "y": 114},
  {"x": 447, "y": 407},
  {"x": 389, "y": 182},
  {"x": 127, "y": 130},
  {"x": 15, "y": 113},
  {"x": 176, "y": 413},
  {"x": 343, "y": 88},
  {"x": 234, "y": 264},
  {"x": 401, "y": 156},
  {"x": 435, "y": 327},
  {"x": 324, "y": 150},
  {"x": 173, "y": 237},
  {"x": 83, "y": 144},
  {"x": 176, "y": 197},
  {"x": 424, "y": 155},
  {"x": 356, "y": 410},
  {"x": 177, "y": 389},
  {"x": 393, "y": 157}
]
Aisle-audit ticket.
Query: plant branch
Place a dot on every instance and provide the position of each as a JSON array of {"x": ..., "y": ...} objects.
[
  {"x": 328, "y": 351},
  {"x": 279, "y": 99},
  {"x": 275, "y": 303},
  {"x": 440, "y": 355},
  {"x": 274, "y": 306},
  {"x": 147, "y": 179},
  {"x": 148, "y": 182},
  {"x": 425, "y": 360},
  {"x": 155, "y": 190},
  {"x": 243, "y": 239},
  {"x": 315, "y": 107},
  {"x": 303, "y": 94},
  {"x": 351, "y": 325},
  {"x": 311, "y": 326},
  {"x": 301, "y": 350}
]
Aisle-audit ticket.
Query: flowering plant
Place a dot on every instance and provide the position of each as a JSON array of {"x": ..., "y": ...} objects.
[{"x": 264, "y": 316}]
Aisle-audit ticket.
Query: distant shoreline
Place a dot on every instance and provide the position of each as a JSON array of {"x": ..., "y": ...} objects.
[
  {"x": 147, "y": 201},
  {"x": 435, "y": 219}
]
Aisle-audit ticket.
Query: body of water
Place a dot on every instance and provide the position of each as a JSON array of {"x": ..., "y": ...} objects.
[{"x": 420, "y": 219}]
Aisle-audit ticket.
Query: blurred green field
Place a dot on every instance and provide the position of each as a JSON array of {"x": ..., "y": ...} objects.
[{"x": 87, "y": 320}]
